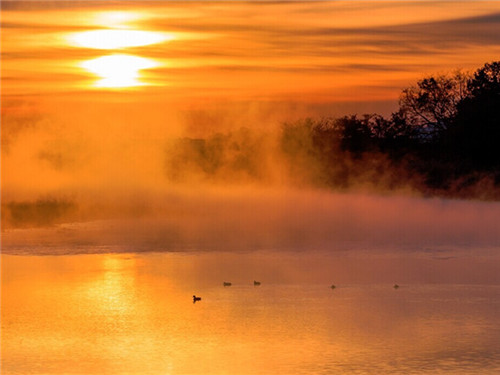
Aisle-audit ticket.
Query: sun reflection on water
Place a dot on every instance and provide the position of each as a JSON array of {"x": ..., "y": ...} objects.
[
  {"x": 133, "y": 314},
  {"x": 111, "y": 292}
]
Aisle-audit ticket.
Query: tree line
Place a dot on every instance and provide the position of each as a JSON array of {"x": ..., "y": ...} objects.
[{"x": 443, "y": 140}]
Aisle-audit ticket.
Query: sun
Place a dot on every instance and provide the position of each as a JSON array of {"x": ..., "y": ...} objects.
[{"x": 118, "y": 71}]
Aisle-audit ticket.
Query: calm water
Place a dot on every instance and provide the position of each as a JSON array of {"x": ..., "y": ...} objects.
[{"x": 134, "y": 314}]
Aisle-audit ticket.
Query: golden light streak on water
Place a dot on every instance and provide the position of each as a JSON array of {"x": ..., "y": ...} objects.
[{"x": 131, "y": 313}]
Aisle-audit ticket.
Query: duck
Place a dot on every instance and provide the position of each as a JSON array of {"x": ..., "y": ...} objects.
[
  {"x": 196, "y": 298},
  {"x": 396, "y": 286},
  {"x": 256, "y": 283},
  {"x": 225, "y": 283},
  {"x": 333, "y": 286}
]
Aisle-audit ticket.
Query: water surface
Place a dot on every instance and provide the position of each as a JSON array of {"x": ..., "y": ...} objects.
[{"x": 134, "y": 314}]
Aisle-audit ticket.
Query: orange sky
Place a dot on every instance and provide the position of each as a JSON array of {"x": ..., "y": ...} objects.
[
  {"x": 88, "y": 87},
  {"x": 296, "y": 51}
]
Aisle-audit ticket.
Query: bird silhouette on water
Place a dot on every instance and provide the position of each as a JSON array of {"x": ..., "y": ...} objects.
[{"x": 196, "y": 299}]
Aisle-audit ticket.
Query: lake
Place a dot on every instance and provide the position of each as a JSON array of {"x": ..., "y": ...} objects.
[{"x": 133, "y": 313}]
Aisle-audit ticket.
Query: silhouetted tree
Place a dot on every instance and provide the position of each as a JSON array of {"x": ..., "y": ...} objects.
[
  {"x": 42, "y": 212},
  {"x": 485, "y": 83},
  {"x": 236, "y": 155},
  {"x": 357, "y": 134},
  {"x": 475, "y": 135},
  {"x": 432, "y": 103},
  {"x": 309, "y": 146},
  {"x": 444, "y": 139}
]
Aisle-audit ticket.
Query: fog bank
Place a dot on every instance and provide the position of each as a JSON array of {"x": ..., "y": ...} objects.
[{"x": 255, "y": 218}]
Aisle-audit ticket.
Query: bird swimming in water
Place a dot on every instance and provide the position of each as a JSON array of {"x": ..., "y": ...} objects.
[
  {"x": 256, "y": 283},
  {"x": 196, "y": 299},
  {"x": 333, "y": 286},
  {"x": 225, "y": 283},
  {"x": 396, "y": 286}
]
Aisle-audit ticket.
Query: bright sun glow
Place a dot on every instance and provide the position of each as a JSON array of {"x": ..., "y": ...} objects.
[
  {"x": 117, "y": 19},
  {"x": 116, "y": 39},
  {"x": 118, "y": 70}
]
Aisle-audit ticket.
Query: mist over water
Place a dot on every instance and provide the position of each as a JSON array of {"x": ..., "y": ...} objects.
[
  {"x": 284, "y": 218},
  {"x": 202, "y": 181},
  {"x": 418, "y": 239}
]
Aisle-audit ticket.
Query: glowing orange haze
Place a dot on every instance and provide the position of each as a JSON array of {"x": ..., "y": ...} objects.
[{"x": 93, "y": 96}]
